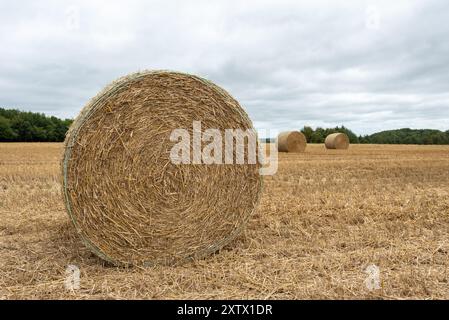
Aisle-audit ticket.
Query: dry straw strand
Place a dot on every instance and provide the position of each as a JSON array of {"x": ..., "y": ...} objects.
[
  {"x": 337, "y": 141},
  {"x": 129, "y": 203},
  {"x": 291, "y": 141}
]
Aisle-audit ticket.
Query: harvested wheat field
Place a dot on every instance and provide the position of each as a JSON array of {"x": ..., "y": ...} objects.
[{"x": 323, "y": 219}]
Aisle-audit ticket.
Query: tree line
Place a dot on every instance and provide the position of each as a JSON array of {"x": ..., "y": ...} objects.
[
  {"x": 319, "y": 134},
  {"x": 19, "y": 126},
  {"x": 400, "y": 136},
  {"x": 408, "y": 136}
]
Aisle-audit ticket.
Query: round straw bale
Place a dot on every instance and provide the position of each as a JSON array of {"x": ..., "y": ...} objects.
[
  {"x": 292, "y": 141},
  {"x": 128, "y": 201},
  {"x": 337, "y": 141}
]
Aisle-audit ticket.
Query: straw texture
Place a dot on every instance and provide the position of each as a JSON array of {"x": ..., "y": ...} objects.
[
  {"x": 337, "y": 141},
  {"x": 129, "y": 203},
  {"x": 291, "y": 141}
]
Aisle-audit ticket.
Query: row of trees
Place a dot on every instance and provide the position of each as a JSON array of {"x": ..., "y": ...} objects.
[
  {"x": 319, "y": 134},
  {"x": 19, "y": 126},
  {"x": 400, "y": 136},
  {"x": 22, "y": 126},
  {"x": 407, "y": 136}
]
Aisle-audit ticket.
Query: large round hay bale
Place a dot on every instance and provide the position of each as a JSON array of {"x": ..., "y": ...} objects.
[
  {"x": 337, "y": 141},
  {"x": 291, "y": 141},
  {"x": 129, "y": 202}
]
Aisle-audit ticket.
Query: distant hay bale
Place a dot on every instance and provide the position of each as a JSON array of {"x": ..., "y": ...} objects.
[
  {"x": 337, "y": 141},
  {"x": 291, "y": 141},
  {"x": 130, "y": 204}
]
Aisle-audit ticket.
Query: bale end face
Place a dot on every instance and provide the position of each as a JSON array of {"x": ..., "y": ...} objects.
[
  {"x": 338, "y": 141},
  {"x": 292, "y": 141},
  {"x": 128, "y": 201}
]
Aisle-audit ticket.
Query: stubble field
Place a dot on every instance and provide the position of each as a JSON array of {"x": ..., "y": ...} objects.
[{"x": 323, "y": 219}]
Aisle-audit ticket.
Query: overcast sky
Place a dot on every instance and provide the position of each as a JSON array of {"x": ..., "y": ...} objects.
[{"x": 368, "y": 65}]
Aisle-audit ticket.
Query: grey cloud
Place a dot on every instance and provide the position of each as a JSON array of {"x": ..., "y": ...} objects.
[{"x": 290, "y": 64}]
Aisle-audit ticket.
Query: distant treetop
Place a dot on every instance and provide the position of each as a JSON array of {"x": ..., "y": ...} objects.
[
  {"x": 319, "y": 134},
  {"x": 400, "y": 136},
  {"x": 20, "y": 126},
  {"x": 408, "y": 136}
]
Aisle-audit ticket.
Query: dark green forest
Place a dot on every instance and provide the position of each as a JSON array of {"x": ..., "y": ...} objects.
[
  {"x": 20, "y": 126},
  {"x": 319, "y": 134},
  {"x": 408, "y": 136},
  {"x": 400, "y": 136}
]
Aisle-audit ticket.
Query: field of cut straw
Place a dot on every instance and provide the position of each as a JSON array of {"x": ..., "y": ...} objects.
[{"x": 323, "y": 219}]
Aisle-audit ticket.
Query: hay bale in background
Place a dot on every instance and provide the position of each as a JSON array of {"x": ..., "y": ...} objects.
[
  {"x": 291, "y": 141},
  {"x": 337, "y": 141},
  {"x": 128, "y": 201}
]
